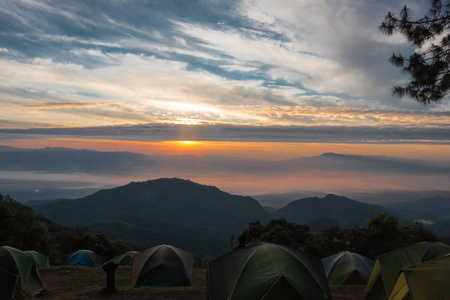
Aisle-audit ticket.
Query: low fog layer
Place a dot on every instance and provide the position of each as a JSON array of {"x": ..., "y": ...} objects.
[{"x": 51, "y": 173}]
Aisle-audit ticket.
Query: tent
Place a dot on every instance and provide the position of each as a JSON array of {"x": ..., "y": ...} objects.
[
  {"x": 40, "y": 259},
  {"x": 8, "y": 284},
  {"x": 388, "y": 266},
  {"x": 347, "y": 268},
  {"x": 198, "y": 262},
  {"x": 85, "y": 258},
  {"x": 163, "y": 265},
  {"x": 428, "y": 280},
  {"x": 125, "y": 259},
  {"x": 14, "y": 261},
  {"x": 266, "y": 271}
]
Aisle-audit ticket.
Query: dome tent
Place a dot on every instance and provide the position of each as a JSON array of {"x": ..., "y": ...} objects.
[
  {"x": 388, "y": 266},
  {"x": 347, "y": 268},
  {"x": 163, "y": 265},
  {"x": 14, "y": 261},
  {"x": 8, "y": 284},
  {"x": 125, "y": 259},
  {"x": 41, "y": 259},
  {"x": 266, "y": 271},
  {"x": 85, "y": 258},
  {"x": 427, "y": 280}
]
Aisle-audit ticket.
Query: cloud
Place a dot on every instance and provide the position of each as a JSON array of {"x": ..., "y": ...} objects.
[
  {"x": 132, "y": 83},
  {"x": 315, "y": 63},
  {"x": 60, "y": 105},
  {"x": 298, "y": 134},
  {"x": 342, "y": 33},
  {"x": 273, "y": 54}
]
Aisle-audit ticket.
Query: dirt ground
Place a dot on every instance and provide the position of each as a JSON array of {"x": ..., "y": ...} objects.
[{"x": 80, "y": 283}]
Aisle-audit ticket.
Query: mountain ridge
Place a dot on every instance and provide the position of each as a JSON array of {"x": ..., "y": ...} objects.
[
  {"x": 57, "y": 159},
  {"x": 184, "y": 203},
  {"x": 172, "y": 209},
  {"x": 347, "y": 212}
]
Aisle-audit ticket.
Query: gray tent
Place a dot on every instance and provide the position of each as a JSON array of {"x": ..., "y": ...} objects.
[
  {"x": 347, "y": 268},
  {"x": 163, "y": 265}
]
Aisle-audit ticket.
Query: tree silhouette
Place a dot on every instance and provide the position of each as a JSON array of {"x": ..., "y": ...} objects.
[
  {"x": 428, "y": 65},
  {"x": 382, "y": 234}
]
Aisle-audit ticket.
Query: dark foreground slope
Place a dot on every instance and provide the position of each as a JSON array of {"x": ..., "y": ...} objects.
[
  {"x": 168, "y": 208},
  {"x": 75, "y": 283}
]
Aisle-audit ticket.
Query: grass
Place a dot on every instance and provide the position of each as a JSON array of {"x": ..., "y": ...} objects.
[
  {"x": 77, "y": 282},
  {"x": 81, "y": 283}
]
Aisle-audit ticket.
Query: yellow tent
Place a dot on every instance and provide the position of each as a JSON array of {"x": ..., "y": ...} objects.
[
  {"x": 387, "y": 267},
  {"x": 429, "y": 280}
]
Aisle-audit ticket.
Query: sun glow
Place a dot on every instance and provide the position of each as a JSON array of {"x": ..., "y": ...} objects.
[
  {"x": 187, "y": 143},
  {"x": 254, "y": 150}
]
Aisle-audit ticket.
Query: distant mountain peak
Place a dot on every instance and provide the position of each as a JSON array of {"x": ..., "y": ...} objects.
[
  {"x": 173, "y": 181},
  {"x": 330, "y": 154},
  {"x": 345, "y": 211},
  {"x": 171, "y": 199},
  {"x": 333, "y": 196}
]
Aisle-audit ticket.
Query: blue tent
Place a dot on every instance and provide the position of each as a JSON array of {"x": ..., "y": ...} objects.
[{"x": 85, "y": 258}]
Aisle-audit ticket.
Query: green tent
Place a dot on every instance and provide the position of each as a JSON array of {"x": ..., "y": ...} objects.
[
  {"x": 388, "y": 266},
  {"x": 8, "y": 284},
  {"x": 163, "y": 265},
  {"x": 40, "y": 259},
  {"x": 22, "y": 265},
  {"x": 428, "y": 280},
  {"x": 347, "y": 268},
  {"x": 266, "y": 271},
  {"x": 125, "y": 259}
]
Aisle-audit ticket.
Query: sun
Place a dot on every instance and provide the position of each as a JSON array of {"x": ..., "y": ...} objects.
[{"x": 187, "y": 143}]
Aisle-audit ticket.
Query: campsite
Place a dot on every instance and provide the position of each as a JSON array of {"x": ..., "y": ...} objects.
[
  {"x": 76, "y": 283},
  {"x": 277, "y": 259},
  {"x": 225, "y": 150},
  {"x": 259, "y": 271},
  {"x": 166, "y": 272}
]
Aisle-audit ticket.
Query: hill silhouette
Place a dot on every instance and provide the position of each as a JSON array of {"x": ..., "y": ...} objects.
[
  {"x": 67, "y": 160},
  {"x": 163, "y": 207},
  {"x": 23, "y": 229},
  {"x": 136, "y": 230},
  {"x": 199, "y": 218},
  {"x": 330, "y": 209}
]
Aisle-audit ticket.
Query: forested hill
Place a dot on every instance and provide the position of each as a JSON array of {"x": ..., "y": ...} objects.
[
  {"x": 192, "y": 216},
  {"x": 176, "y": 200},
  {"x": 198, "y": 218},
  {"x": 329, "y": 210},
  {"x": 21, "y": 228}
]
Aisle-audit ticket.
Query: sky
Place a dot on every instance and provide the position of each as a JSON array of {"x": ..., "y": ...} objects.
[{"x": 271, "y": 79}]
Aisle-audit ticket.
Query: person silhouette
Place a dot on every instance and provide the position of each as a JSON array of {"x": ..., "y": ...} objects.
[
  {"x": 243, "y": 239},
  {"x": 98, "y": 248}
]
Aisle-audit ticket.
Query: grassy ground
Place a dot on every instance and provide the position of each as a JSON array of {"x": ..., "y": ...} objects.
[{"x": 77, "y": 283}]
